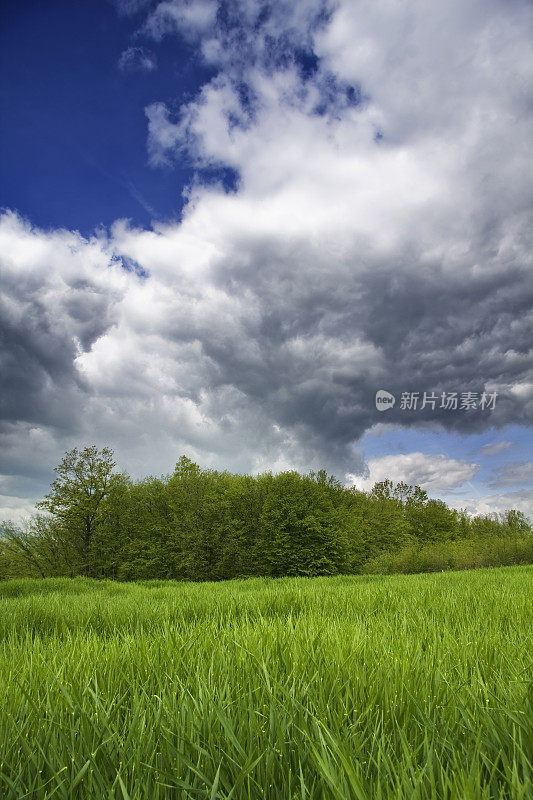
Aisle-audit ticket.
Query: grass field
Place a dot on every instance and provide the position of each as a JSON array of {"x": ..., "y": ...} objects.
[{"x": 410, "y": 686}]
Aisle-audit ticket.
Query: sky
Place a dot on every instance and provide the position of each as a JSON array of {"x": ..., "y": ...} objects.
[{"x": 269, "y": 235}]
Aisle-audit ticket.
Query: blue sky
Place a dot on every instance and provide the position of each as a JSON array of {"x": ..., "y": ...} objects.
[
  {"x": 227, "y": 224},
  {"x": 73, "y": 122},
  {"x": 492, "y": 452}
]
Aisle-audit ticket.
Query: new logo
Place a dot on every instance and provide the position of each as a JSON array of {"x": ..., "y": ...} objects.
[{"x": 384, "y": 400}]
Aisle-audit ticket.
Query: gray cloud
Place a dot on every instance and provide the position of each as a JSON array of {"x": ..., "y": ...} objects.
[
  {"x": 514, "y": 473},
  {"x": 494, "y": 449}
]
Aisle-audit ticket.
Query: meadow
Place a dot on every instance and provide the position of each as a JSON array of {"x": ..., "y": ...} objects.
[{"x": 366, "y": 687}]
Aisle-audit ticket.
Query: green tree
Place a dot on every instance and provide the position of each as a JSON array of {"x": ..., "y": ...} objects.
[
  {"x": 78, "y": 495},
  {"x": 515, "y": 521},
  {"x": 389, "y": 527},
  {"x": 437, "y": 522},
  {"x": 300, "y": 527}
]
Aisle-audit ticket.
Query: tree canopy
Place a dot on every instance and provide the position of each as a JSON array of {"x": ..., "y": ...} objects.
[
  {"x": 202, "y": 524},
  {"x": 78, "y": 494}
]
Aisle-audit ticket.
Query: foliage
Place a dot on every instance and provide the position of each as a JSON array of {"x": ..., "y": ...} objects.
[
  {"x": 77, "y": 497},
  {"x": 298, "y": 527},
  {"x": 201, "y": 524},
  {"x": 456, "y": 555}
]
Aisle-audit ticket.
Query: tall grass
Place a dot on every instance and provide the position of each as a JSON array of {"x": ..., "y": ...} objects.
[{"x": 368, "y": 687}]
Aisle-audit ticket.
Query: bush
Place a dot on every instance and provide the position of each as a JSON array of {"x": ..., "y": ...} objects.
[{"x": 457, "y": 555}]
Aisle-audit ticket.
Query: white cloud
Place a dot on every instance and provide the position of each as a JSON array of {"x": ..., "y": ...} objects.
[
  {"x": 16, "y": 509},
  {"x": 498, "y": 503},
  {"x": 434, "y": 473},
  {"x": 190, "y": 18}
]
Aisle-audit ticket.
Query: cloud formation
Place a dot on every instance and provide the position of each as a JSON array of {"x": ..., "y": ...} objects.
[
  {"x": 514, "y": 473},
  {"x": 499, "y": 503},
  {"x": 434, "y": 473},
  {"x": 495, "y": 448},
  {"x": 379, "y": 235}
]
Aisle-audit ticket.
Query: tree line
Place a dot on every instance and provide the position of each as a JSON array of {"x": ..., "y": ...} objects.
[{"x": 203, "y": 524}]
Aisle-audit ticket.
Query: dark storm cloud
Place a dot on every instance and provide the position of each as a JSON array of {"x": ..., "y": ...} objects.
[
  {"x": 37, "y": 368},
  {"x": 423, "y": 332},
  {"x": 43, "y": 329}
]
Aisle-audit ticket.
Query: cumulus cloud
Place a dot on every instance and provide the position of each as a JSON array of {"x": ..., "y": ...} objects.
[
  {"x": 393, "y": 238},
  {"x": 434, "y": 473},
  {"x": 192, "y": 19},
  {"x": 379, "y": 236},
  {"x": 499, "y": 503}
]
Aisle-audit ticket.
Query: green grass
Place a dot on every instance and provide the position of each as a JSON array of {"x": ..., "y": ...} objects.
[{"x": 372, "y": 687}]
